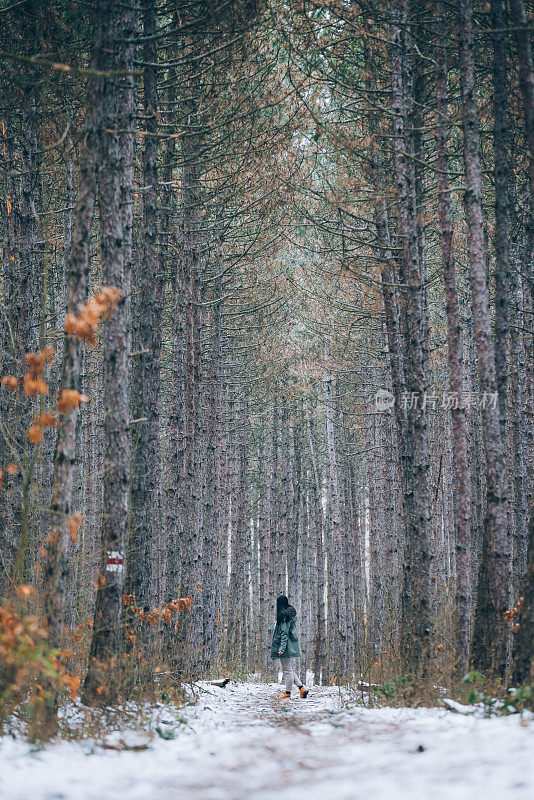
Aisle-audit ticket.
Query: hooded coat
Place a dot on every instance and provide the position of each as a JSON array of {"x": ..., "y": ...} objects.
[{"x": 285, "y": 636}]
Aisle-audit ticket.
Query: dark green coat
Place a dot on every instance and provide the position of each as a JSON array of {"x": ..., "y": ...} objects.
[{"x": 285, "y": 637}]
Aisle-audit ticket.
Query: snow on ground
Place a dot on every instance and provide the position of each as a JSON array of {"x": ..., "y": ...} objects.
[{"x": 239, "y": 743}]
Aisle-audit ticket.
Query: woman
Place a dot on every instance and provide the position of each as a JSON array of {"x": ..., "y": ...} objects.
[{"x": 285, "y": 645}]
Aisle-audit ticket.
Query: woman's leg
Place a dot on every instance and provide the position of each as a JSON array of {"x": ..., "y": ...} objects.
[
  {"x": 288, "y": 673},
  {"x": 296, "y": 678}
]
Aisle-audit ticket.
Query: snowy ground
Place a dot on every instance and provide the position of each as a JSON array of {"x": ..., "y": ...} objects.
[{"x": 240, "y": 743}]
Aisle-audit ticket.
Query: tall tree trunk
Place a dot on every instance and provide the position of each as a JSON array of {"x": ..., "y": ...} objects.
[
  {"x": 175, "y": 434},
  {"x": 319, "y": 647},
  {"x": 213, "y": 492},
  {"x": 115, "y": 204},
  {"x": 416, "y": 597},
  {"x": 490, "y": 638},
  {"x": 8, "y": 347},
  {"x": 294, "y": 544},
  {"x": 26, "y": 321},
  {"x": 377, "y": 589},
  {"x": 462, "y": 499},
  {"x": 336, "y": 584},
  {"x": 282, "y": 539},
  {"x": 525, "y": 60},
  {"x": 502, "y": 217},
  {"x": 523, "y": 672},
  {"x": 265, "y": 534},
  {"x": 145, "y": 512},
  {"x": 519, "y": 413},
  {"x": 55, "y": 569}
]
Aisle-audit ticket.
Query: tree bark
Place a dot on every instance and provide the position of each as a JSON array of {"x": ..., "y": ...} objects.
[
  {"x": 115, "y": 204},
  {"x": 523, "y": 672},
  {"x": 319, "y": 646},
  {"x": 526, "y": 82},
  {"x": 502, "y": 217},
  {"x": 462, "y": 499},
  {"x": 337, "y": 584},
  {"x": 490, "y": 638},
  {"x": 145, "y": 511},
  {"x": 417, "y": 622},
  {"x": 55, "y": 568}
]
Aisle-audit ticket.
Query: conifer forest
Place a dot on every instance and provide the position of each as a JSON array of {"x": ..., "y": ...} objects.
[{"x": 266, "y": 328}]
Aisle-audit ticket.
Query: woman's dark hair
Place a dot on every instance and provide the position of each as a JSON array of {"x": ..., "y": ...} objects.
[{"x": 281, "y": 604}]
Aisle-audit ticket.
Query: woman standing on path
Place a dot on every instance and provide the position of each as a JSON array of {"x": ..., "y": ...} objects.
[{"x": 285, "y": 645}]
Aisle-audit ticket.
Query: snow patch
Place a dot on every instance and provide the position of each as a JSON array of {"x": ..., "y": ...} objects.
[{"x": 239, "y": 743}]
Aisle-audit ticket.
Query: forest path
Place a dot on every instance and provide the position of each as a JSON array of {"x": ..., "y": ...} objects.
[{"x": 242, "y": 744}]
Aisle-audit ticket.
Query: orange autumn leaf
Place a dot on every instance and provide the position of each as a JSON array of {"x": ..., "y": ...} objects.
[
  {"x": 81, "y": 328},
  {"x": 11, "y": 382},
  {"x": 33, "y": 386},
  {"x": 25, "y": 590},
  {"x": 72, "y": 682},
  {"x": 69, "y": 399},
  {"x": 75, "y": 522},
  {"x": 12, "y": 469},
  {"x": 35, "y": 434},
  {"x": 108, "y": 297},
  {"x": 36, "y": 361},
  {"x": 184, "y": 602},
  {"x": 52, "y": 537},
  {"x": 47, "y": 420},
  {"x": 101, "y": 306}
]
